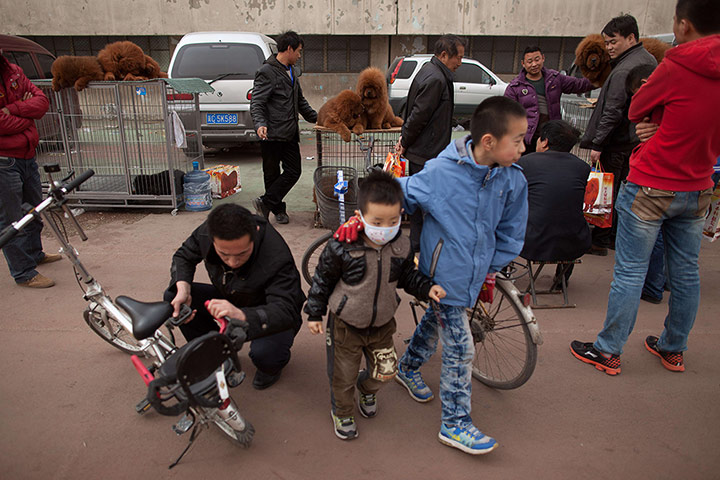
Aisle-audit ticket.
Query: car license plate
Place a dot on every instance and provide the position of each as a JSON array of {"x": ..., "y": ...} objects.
[{"x": 222, "y": 118}]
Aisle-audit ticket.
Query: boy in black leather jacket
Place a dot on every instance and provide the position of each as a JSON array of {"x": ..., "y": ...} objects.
[{"x": 358, "y": 281}]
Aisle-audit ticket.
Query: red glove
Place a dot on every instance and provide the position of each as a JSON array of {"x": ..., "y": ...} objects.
[
  {"x": 488, "y": 288},
  {"x": 348, "y": 231}
]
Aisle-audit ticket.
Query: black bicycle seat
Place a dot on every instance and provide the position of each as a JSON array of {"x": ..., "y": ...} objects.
[{"x": 146, "y": 317}]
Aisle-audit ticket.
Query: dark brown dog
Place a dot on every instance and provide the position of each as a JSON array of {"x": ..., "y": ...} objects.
[
  {"x": 342, "y": 113},
  {"x": 123, "y": 61},
  {"x": 152, "y": 69},
  {"x": 372, "y": 89},
  {"x": 592, "y": 59},
  {"x": 69, "y": 71},
  {"x": 657, "y": 48}
]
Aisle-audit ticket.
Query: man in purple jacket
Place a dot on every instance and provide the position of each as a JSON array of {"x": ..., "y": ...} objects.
[{"x": 538, "y": 90}]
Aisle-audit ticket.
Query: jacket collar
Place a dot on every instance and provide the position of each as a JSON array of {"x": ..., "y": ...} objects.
[
  {"x": 212, "y": 257},
  {"x": 274, "y": 62},
  {"x": 449, "y": 75},
  {"x": 626, "y": 53}
]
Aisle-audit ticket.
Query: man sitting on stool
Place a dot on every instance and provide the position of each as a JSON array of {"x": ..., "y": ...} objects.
[
  {"x": 253, "y": 277},
  {"x": 556, "y": 228}
]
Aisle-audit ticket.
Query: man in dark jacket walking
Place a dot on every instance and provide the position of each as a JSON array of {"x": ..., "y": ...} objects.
[
  {"x": 538, "y": 90},
  {"x": 21, "y": 103},
  {"x": 277, "y": 99},
  {"x": 609, "y": 134},
  {"x": 428, "y": 115},
  {"x": 253, "y": 278}
]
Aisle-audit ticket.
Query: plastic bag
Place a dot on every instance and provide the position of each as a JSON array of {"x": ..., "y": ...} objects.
[
  {"x": 395, "y": 165},
  {"x": 598, "y": 201}
]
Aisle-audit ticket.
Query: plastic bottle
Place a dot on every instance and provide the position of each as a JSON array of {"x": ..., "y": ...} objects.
[{"x": 197, "y": 190}]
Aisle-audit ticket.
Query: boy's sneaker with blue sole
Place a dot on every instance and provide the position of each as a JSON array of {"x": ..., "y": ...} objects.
[
  {"x": 467, "y": 439},
  {"x": 412, "y": 380}
]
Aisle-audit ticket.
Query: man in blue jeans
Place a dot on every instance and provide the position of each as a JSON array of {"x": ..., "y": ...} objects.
[
  {"x": 21, "y": 103},
  {"x": 668, "y": 187}
]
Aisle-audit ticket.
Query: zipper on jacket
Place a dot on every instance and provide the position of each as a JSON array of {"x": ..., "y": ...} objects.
[{"x": 377, "y": 287}]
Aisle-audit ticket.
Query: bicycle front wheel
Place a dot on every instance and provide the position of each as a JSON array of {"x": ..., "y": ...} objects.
[
  {"x": 505, "y": 354},
  {"x": 312, "y": 256}
]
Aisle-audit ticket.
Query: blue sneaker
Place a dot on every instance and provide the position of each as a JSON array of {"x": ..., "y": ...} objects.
[
  {"x": 468, "y": 439},
  {"x": 412, "y": 380}
]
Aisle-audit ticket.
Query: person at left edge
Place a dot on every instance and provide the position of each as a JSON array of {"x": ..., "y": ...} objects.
[{"x": 253, "y": 278}]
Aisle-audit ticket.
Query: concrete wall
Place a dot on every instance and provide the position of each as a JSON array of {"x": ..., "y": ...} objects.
[{"x": 376, "y": 17}]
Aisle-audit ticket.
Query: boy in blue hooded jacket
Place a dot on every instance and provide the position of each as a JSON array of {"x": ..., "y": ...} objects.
[{"x": 474, "y": 198}]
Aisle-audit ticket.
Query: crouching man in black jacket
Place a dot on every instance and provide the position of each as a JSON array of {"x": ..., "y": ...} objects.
[{"x": 253, "y": 277}]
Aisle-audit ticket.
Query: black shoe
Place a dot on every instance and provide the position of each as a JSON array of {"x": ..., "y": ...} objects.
[
  {"x": 651, "y": 299},
  {"x": 671, "y": 360},
  {"x": 587, "y": 353},
  {"x": 260, "y": 207},
  {"x": 282, "y": 218},
  {"x": 599, "y": 251},
  {"x": 262, "y": 380}
]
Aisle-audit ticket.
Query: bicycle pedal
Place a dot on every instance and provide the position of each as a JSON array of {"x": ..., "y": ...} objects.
[
  {"x": 183, "y": 425},
  {"x": 143, "y": 406},
  {"x": 235, "y": 378}
]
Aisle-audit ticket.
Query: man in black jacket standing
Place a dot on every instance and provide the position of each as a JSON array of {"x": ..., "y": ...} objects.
[
  {"x": 253, "y": 278},
  {"x": 428, "y": 115},
  {"x": 276, "y": 101},
  {"x": 610, "y": 135}
]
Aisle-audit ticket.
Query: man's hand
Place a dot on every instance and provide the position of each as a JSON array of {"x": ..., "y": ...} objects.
[
  {"x": 223, "y": 308},
  {"x": 488, "y": 289},
  {"x": 262, "y": 133},
  {"x": 27, "y": 96},
  {"x": 182, "y": 296},
  {"x": 5, "y": 110},
  {"x": 595, "y": 156},
  {"x": 437, "y": 293},
  {"x": 315, "y": 327},
  {"x": 349, "y": 231},
  {"x": 645, "y": 130},
  {"x": 398, "y": 147}
]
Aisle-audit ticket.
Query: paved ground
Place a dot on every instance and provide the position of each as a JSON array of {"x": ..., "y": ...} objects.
[{"x": 67, "y": 397}]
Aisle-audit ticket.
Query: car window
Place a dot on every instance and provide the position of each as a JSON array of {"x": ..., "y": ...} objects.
[
  {"x": 471, "y": 73},
  {"x": 24, "y": 61},
  {"x": 46, "y": 62},
  {"x": 210, "y": 60},
  {"x": 406, "y": 70}
]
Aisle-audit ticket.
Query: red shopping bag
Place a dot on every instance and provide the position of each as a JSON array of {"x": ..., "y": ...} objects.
[
  {"x": 598, "y": 202},
  {"x": 395, "y": 165}
]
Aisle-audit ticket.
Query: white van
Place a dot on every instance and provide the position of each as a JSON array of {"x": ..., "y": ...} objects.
[{"x": 227, "y": 61}]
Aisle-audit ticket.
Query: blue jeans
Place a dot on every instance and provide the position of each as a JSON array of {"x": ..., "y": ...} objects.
[
  {"x": 655, "y": 278},
  {"x": 641, "y": 215},
  {"x": 457, "y": 355},
  {"x": 20, "y": 183}
]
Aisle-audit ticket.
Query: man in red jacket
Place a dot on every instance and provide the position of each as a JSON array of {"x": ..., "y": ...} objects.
[
  {"x": 669, "y": 187},
  {"x": 21, "y": 103}
]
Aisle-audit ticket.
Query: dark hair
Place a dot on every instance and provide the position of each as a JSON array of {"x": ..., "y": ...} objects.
[
  {"x": 230, "y": 221},
  {"x": 561, "y": 136},
  {"x": 289, "y": 39},
  {"x": 492, "y": 116},
  {"x": 703, "y": 14},
  {"x": 635, "y": 76},
  {"x": 531, "y": 49},
  {"x": 449, "y": 43},
  {"x": 379, "y": 187},
  {"x": 623, "y": 25}
]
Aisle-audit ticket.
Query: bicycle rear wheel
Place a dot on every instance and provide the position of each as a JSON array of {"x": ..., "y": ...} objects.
[
  {"x": 505, "y": 354},
  {"x": 312, "y": 256}
]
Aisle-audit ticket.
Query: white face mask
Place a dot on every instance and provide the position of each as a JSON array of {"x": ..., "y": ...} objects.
[{"x": 380, "y": 235}]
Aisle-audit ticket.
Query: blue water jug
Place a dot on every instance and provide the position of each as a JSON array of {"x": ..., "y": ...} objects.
[{"x": 197, "y": 190}]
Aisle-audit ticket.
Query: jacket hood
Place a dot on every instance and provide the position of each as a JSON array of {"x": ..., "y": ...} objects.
[{"x": 701, "y": 56}]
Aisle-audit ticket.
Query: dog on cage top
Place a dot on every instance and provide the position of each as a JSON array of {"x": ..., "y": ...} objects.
[
  {"x": 372, "y": 88},
  {"x": 342, "y": 113},
  {"x": 158, "y": 183},
  {"x": 70, "y": 71},
  {"x": 126, "y": 61},
  {"x": 594, "y": 61}
]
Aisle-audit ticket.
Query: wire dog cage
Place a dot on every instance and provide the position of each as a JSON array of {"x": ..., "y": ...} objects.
[
  {"x": 577, "y": 112},
  {"x": 361, "y": 152},
  {"x": 139, "y": 138}
]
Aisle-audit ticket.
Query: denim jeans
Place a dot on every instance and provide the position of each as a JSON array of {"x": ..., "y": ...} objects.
[
  {"x": 655, "y": 279},
  {"x": 641, "y": 215},
  {"x": 457, "y": 355},
  {"x": 20, "y": 183}
]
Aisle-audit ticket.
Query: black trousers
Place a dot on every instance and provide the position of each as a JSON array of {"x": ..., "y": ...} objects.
[
  {"x": 416, "y": 219},
  {"x": 617, "y": 163},
  {"x": 269, "y": 354},
  {"x": 277, "y": 184}
]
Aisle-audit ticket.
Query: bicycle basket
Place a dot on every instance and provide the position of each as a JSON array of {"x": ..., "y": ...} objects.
[{"x": 324, "y": 180}]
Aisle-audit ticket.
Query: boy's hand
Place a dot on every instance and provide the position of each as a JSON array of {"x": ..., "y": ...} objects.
[
  {"x": 315, "y": 327},
  {"x": 488, "y": 289},
  {"x": 436, "y": 293},
  {"x": 348, "y": 231}
]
